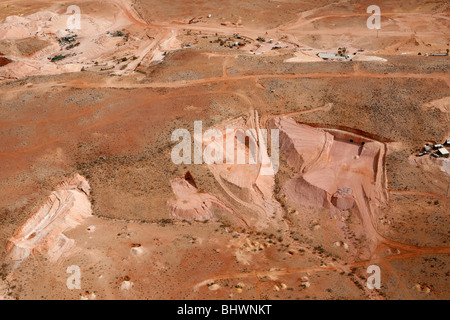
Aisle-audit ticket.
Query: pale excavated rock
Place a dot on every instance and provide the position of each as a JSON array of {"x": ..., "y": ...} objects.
[
  {"x": 65, "y": 208},
  {"x": 88, "y": 296},
  {"x": 343, "y": 199},
  {"x": 338, "y": 243},
  {"x": 417, "y": 287},
  {"x": 137, "y": 250},
  {"x": 249, "y": 183},
  {"x": 126, "y": 285},
  {"x": 214, "y": 287},
  {"x": 442, "y": 104},
  {"x": 302, "y": 193},
  {"x": 432, "y": 164},
  {"x": 306, "y": 284},
  {"x": 302, "y": 145},
  {"x": 334, "y": 168},
  {"x": 190, "y": 204}
]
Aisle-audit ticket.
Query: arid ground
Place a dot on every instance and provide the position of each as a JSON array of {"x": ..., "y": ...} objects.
[{"x": 96, "y": 109}]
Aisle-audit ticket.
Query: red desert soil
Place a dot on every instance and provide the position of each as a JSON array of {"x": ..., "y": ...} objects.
[{"x": 87, "y": 178}]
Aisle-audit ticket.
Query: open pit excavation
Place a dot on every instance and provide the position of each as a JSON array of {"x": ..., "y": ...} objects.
[
  {"x": 224, "y": 150},
  {"x": 335, "y": 170},
  {"x": 244, "y": 169}
]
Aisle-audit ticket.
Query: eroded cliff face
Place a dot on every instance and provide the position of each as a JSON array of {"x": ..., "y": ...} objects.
[{"x": 43, "y": 232}]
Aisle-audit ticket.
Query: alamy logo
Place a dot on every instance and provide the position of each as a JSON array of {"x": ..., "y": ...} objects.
[
  {"x": 374, "y": 281},
  {"x": 74, "y": 281},
  {"x": 74, "y": 21},
  {"x": 374, "y": 21},
  {"x": 229, "y": 147}
]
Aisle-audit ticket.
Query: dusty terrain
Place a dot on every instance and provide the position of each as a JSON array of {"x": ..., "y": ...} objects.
[{"x": 87, "y": 178}]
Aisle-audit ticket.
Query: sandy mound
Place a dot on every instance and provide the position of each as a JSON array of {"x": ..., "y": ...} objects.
[
  {"x": 302, "y": 193},
  {"x": 4, "y": 61},
  {"x": 14, "y": 27},
  {"x": 343, "y": 199},
  {"x": 432, "y": 164},
  {"x": 65, "y": 208},
  {"x": 190, "y": 204}
]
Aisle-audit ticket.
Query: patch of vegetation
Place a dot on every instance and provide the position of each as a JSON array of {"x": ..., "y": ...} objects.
[
  {"x": 57, "y": 58},
  {"x": 72, "y": 46},
  {"x": 117, "y": 34},
  {"x": 164, "y": 222},
  {"x": 66, "y": 40}
]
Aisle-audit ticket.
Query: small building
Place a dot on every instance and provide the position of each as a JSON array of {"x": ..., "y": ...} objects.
[{"x": 443, "y": 152}]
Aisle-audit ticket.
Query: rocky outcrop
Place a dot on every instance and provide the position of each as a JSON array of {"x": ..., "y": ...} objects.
[{"x": 43, "y": 232}]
